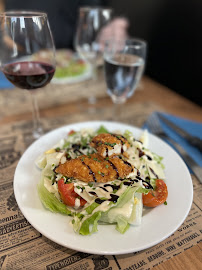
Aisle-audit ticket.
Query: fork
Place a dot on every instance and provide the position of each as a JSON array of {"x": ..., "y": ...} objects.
[{"x": 154, "y": 126}]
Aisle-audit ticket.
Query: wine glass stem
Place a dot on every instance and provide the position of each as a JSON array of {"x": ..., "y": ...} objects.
[
  {"x": 37, "y": 128},
  {"x": 92, "y": 100},
  {"x": 94, "y": 71},
  {"x": 117, "y": 111}
]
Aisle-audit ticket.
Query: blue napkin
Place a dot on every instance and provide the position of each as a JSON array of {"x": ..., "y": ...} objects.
[
  {"x": 4, "y": 83},
  {"x": 193, "y": 128}
]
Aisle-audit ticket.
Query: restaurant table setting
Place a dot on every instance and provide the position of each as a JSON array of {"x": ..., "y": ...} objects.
[
  {"x": 18, "y": 236},
  {"x": 183, "y": 135},
  {"x": 28, "y": 242}
]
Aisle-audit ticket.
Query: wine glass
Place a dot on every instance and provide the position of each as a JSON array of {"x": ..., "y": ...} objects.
[
  {"x": 90, "y": 22},
  {"x": 28, "y": 58},
  {"x": 124, "y": 63}
]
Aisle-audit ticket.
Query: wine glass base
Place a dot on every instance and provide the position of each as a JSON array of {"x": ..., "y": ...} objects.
[
  {"x": 92, "y": 100},
  {"x": 118, "y": 100},
  {"x": 38, "y": 133}
]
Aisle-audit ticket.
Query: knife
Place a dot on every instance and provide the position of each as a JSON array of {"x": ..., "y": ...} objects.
[{"x": 196, "y": 142}]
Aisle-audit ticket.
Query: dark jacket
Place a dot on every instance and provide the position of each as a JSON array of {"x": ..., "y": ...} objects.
[{"x": 62, "y": 15}]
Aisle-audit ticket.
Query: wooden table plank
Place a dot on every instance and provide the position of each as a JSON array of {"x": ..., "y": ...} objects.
[
  {"x": 169, "y": 100},
  {"x": 189, "y": 259},
  {"x": 149, "y": 92}
]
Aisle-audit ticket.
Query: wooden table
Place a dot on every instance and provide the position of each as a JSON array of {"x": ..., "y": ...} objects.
[
  {"x": 149, "y": 97},
  {"x": 150, "y": 93}
]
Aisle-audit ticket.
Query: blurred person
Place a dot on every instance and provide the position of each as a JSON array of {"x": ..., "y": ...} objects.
[
  {"x": 63, "y": 15},
  {"x": 172, "y": 30}
]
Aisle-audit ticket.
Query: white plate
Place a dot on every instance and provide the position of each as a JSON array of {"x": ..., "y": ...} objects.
[{"x": 157, "y": 223}]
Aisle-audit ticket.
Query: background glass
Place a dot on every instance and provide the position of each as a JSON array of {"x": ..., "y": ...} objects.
[
  {"x": 28, "y": 54},
  {"x": 124, "y": 63},
  {"x": 90, "y": 23}
]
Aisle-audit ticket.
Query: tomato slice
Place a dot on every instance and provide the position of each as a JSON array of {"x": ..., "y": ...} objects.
[
  {"x": 67, "y": 193},
  {"x": 157, "y": 196},
  {"x": 71, "y": 132},
  {"x": 80, "y": 62}
]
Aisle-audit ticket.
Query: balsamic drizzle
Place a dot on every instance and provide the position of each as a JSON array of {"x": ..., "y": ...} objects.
[
  {"x": 77, "y": 151},
  {"x": 114, "y": 167},
  {"x": 126, "y": 182},
  {"x": 114, "y": 198},
  {"x": 145, "y": 183},
  {"x": 90, "y": 171},
  {"x": 153, "y": 172},
  {"x": 99, "y": 201},
  {"x": 104, "y": 189},
  {"x": 137, "y": 141},
  {"x": 92, "y": 193},
  {"x": 126, "y": 162},
  {"x": 149, "y": 158},
  {"x": 142, "y": 153},
  {"x": 111, "y": 164},
  {"x": 114, "y": 187},
  {"x": 107, "y": 151},
  {"x": 54, "y": 169},
  {"x": 98, "y": 142},
  {"x": 76, "y": 148},
  {"x": 119, "y": 138}
]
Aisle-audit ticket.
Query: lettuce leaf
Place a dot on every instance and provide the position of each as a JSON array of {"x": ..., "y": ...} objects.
[
  {"x": 91, "y": 207},
  {"x": 50, "y": 201},
  {"x": 128, "y": 135},
  {"x": 136, "y": 216},
  {"x": 89, "y": 225},
  {"x": 102, "y": 129},
  {"x": 125, "y": 212},
  {"x": 122, "y": 224},
  {"x": 143, "y": 190},
  {"x": 159, "y": 160}
]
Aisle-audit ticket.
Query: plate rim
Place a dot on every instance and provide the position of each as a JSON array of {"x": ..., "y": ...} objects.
[{"x": 89, "y": 250}]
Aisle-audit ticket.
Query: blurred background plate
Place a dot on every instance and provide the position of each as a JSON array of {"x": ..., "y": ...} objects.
[{"x": 70, "y": 68}]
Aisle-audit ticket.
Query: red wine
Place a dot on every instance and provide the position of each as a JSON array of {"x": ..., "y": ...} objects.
[{"x": 29, "y": 75}]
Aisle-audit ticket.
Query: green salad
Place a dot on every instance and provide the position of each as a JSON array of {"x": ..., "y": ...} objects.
[
  {"x": 94, "y": 200},
  {"x": 74, "y": 68}
]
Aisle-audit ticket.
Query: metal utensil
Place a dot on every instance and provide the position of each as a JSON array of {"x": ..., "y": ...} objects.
[
  {"x": 154, "y": 125},
  {"x": 190, "y": 139}
]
